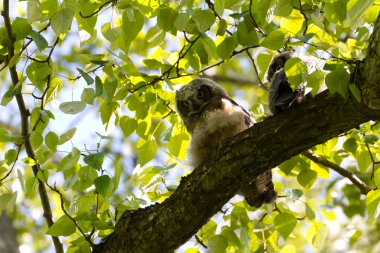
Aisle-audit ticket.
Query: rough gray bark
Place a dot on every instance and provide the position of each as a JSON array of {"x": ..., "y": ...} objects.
[
  {"x": 8, "y": 238},
  {"x": 164, "y": 227}
]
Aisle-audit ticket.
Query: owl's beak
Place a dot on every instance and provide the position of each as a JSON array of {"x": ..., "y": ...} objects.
[{"x": 197, "y": 108}]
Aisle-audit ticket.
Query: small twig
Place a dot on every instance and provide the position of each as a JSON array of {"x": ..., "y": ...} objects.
[
  {"x": 254, "y": 21},
  {"x": 373, "y": 161},
  {"x": 211, "y": 6},
  {"x": 304, "y": 16},
  {"x": 98, "y": 10},
  {"x": 352, "y": 177},
  {"x": 88, "y": 239},
  {"x": 200, "y": 241},
  {"x": 256, "y": 70}
]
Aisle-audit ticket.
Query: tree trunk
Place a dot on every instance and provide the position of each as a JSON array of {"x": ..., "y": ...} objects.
[{"x": 164, "y": 227}]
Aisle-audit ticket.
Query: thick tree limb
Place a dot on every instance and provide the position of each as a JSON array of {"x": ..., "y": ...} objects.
[{"x": 164, "y": 227}]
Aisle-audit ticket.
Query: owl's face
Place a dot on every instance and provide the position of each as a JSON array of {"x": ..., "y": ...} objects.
[
  {"x": 195, "y": 98},
  {"x": 278, "y": 63}
]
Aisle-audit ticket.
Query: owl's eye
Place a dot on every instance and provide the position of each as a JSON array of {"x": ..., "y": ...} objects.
[
  {"x": 278, "y": 67},
  {"x": 200, "y": 95},
  {"x": 186, "y": 103}
]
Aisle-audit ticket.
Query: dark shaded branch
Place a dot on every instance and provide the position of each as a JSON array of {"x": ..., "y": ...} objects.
[
  {"x": 369, "y": 76},
  {"x": 163, "y": 227},
  {"x": 24, "y": 113},
  {"x": 345, "y": 173}
]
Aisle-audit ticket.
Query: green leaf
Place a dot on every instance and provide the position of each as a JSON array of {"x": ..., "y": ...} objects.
[
  {"x": 36, "y": 139},
  {"x": 166, "y": 19},
  {"x": 22, "y": 180},
  {"x": 70, "y": 160},
  {"x": 274, "y": 40},
  {"x": 87, "y": 77},
  {"x": 51, "y": 141},
  {"x": 356, "y": 8},
  {"x": 110, "y": 33},
  {"x": 350, "y": 145},
  {"x": 337, "y": 81},
  {"x": 64, "y": 226},
  {"x": 98, "y": 87},
  {"x": 377, "y": 178},
  {"x": 316, "y": 235},
  {"x": 39, "y": 40},
  {"x": 33, "y": 11},
  {"x": 364, "y": 161},
  {"x": 11, "y": 156},
  {"x": 67, "y": 136},
  {"x": 178, "y": 144},
  {"x": 88, "y": 96},
  {"x": 310, "y": 209},
  {"x": 73, "y": 107},
  {"x": 146, "y": 150},
  {"x": 8, "y": 201},
  {"x": 38, "y": 73},
  {"x": 29, "y": 161},
  {"x": 294, "y": 69},
  {"x": 355, "y": 91},
  {"x": 285, "y": 223},
  {"x": 222, "y": 27},
  {"x": 246, "y": 36},
  {"x": 21, "y": 28},
  {"x": 231, "y": 237},
  {"x": 103, "y": 185},
  {"x": 61, "y": 21},
  {"x": 283, "y": 8},
  {"x": 54, "y": 89},
  {"x": 217, "y": 244},
  {"x": 181, "y": 20},
  {"x": 128, "y": 125},
  {"x": 336, "y": 11},
  {"x": 315, "y": 81},
  {"x": 371, "y": 138},
  {"x": 307, "y": 177},
  {"x": 203, "y": 19},
  {"x": 133, "y": 22},
  {"x": 95, "y": 160},
  {"x": 225, "y": 49},
  {"x": 219, "y": 7}
]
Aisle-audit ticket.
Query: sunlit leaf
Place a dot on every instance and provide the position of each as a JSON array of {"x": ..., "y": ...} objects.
[
  {"x": 72, "y": 107},
  {"x": 146, "y": 150},
  {"x": 103, "y": 185},
  {"x": 64, "y": 226},
  {"x": 203, "y": 19},
  {"x": 274, "y": 40},
  {"x": 373, "y": 204},
  {"x": 285, "y": 223}
]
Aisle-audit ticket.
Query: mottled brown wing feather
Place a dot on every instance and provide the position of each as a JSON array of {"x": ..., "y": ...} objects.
[{"x": 260, "y": 190}]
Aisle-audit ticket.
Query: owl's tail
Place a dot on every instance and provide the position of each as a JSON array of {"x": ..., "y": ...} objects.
[{"x": 260, "y": 190}]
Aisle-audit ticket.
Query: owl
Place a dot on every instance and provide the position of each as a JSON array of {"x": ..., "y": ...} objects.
[
  {"x": 211, "y": 116},
  {"x": 281, "y": 95}
]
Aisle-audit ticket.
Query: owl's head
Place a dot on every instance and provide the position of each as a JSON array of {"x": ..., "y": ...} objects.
[
  {"x": 278, "y": 63},
  {"x": 194, "y": 98}
]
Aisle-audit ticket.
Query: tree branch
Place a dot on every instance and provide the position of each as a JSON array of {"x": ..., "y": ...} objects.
[
  {"x": 164, "y": 227},
  {"x": 345, "y": 173},
  {"x": 25, "y": 126}
]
